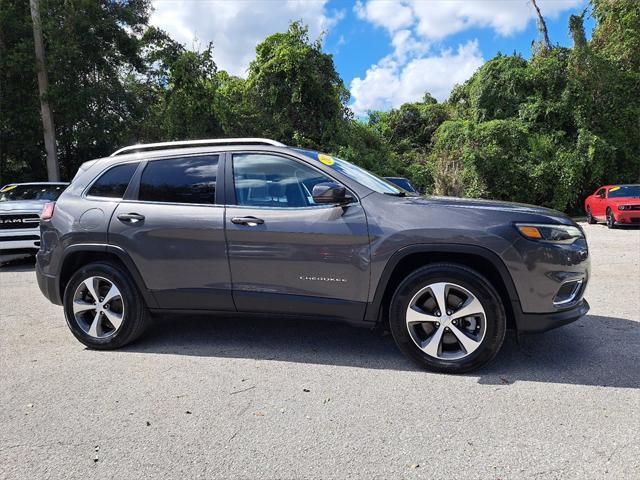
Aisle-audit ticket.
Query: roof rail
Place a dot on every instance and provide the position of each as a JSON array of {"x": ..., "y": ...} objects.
[{"x": 196, "y": 143}]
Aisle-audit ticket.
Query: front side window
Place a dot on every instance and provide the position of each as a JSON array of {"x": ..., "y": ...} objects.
[
  {"x": 113, "y": 183},
  {"x": 263, "y": 180},
  {"x": 180, "y": 180},
  {"x": 600, "y": 193}
]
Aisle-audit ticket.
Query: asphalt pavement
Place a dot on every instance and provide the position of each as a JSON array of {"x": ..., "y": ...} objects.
[{"x": 206, "y": 397}]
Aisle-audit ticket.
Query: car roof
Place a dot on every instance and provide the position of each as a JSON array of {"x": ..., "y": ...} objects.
[{"x": 178, "y": 149}]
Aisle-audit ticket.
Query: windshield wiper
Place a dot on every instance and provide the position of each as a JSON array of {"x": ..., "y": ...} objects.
[{"x": 399, "y": 194}]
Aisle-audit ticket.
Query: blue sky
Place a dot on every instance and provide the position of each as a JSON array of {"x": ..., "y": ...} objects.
[{"x": 387, "y": 51}]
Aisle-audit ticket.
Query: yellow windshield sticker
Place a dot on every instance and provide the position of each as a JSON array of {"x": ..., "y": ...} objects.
[
  {"x": 326, "y": 159},
  {"x": 614, "y": 189},
  {"x": 7, "y": 188}
]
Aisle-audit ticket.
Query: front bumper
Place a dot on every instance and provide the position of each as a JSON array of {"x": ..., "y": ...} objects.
[
  {"x": 541, "y": 322},
  {"x": 627, "y": 217},
  {"x": 19, "y": 240}
]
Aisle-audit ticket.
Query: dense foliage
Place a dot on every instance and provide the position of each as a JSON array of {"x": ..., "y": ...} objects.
[{"x": 546, "y": 130}]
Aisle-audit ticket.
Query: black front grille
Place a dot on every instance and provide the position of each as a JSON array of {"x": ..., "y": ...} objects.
[
  {"x": 15, "y": 238},
  {"x": 633, "y": 207},
  {"x": 19, "y": 220}
]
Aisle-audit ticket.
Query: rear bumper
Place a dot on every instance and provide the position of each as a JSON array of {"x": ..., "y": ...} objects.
[
  {"x": 541, "y": 322},
  {"x": 48, "y": 285}
]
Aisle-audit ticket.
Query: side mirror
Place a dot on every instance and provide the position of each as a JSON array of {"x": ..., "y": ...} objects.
[{"x": 330, "y": 193}]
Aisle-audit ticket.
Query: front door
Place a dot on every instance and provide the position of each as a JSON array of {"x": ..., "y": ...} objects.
[
  {"x": 173, "y": 229},
  {"x": 288, "y": 254},
  {"x": 599, "y": 204}
]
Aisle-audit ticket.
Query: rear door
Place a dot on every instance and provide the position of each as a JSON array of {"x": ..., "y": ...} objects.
[
  {"x": 286, "y": 253},
  {"x": 171, "y": 223}
]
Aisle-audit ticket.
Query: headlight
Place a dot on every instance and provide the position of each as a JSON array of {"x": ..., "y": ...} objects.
[
  {"x": 624, "y": 207},
  {"x": 549, "y": 233}
]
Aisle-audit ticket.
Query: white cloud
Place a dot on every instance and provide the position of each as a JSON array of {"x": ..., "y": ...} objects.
[
  {"x": 236, "y": 27},
  {"x": 436, "y": 19},
  {"x": 415, "y": 25},
  {"x": 390, "y": 83},
  {"x": 390, "y": 14}
]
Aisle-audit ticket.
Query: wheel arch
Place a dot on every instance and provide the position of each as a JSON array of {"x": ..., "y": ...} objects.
[
  {"x": 409, "y": 259},
  {"x": 76, "y": 256}
]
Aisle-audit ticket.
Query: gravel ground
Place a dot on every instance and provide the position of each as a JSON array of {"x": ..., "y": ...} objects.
[{"x": 237, "y": 398}]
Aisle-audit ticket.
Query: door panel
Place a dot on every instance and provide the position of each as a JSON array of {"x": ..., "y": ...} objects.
[
  {"x": 180, "y": 252},
  {"x": 318, "y": 252},
  {"x": 598, "y": 204},
  {"x": 288, "y": 255},
  {"x": 174, "y": 233}
]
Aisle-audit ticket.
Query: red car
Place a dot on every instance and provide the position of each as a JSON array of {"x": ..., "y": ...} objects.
[{"x": 614, "y": 204}]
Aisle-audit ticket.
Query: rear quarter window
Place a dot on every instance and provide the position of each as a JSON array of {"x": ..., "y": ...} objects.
[{"x": 113, "y": 183}]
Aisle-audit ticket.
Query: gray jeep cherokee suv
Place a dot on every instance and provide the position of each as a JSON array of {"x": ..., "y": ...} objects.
[{"x": 252, "y": 226}]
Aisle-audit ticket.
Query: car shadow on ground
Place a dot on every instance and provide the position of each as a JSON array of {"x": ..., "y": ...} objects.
[
  {"x": 598, "y": 351},
  {"x": 17, "y": 263}
]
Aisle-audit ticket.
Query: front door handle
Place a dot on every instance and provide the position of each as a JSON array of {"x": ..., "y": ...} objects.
[
  {"x": 249, "y": 221},
  {"x": 130, "y": 217}
]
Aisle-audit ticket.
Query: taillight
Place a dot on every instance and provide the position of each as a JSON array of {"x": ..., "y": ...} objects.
[{"x": 47, "y": 211}]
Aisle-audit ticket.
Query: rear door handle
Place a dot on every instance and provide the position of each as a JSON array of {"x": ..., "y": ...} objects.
[
  {"x": 130, "y": 217},
  {"x": 249, "y": 221}
]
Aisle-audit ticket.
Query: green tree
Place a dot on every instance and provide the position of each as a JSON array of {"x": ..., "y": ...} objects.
[{"x": 296, "y": 89}]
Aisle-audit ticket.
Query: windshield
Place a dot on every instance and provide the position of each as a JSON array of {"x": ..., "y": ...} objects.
[
  {"x": 624, "y": 191},
  {"x": 355, "y": 173},
  {"x": 31, "y": 192}
]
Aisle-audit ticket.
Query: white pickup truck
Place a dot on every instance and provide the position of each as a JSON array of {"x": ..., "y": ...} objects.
[{"x": 20, "y": 208}]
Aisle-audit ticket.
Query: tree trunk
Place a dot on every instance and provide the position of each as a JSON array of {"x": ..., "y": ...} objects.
[{"x": 53, "y": 172}]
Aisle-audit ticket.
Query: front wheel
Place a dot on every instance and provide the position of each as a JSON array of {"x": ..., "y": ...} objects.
[
  {"x": 611, "y": 219},
  {"x": 103, "y": 307},
  {"x": 447, "y": 318}
]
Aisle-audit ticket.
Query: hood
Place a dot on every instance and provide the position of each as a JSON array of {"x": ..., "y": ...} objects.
[
  {"x": 34, "y": 206},
  {"x": 477, "y": 203}
]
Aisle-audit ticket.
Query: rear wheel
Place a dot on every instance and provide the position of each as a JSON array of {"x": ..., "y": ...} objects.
[
  {"x": 103, "y": 307},
  {"x": 590, "y": 219},
  {"x": 447, "y": 318},
  {"x": 611, "y": 219}
]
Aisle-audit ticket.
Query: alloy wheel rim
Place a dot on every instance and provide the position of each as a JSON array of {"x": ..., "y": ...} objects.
[
  {"x": 446, "y": 321},
  {"x": 98, "y": 307}
]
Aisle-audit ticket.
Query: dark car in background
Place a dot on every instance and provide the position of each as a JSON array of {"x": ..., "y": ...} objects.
[
  {"x": 403, "y": 183},
  {"x": 20, "y": 208},
  {"x": 251, "y": 226}
]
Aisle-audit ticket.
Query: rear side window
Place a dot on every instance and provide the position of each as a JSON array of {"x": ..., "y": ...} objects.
[
  {"x": 113, "y": 183},
  {"x": 180, "y": 180}
]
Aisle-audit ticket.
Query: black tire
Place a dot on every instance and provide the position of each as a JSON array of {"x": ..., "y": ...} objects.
[
  {"x": 590, "y": 219},
  {"x": 474, "y": 282},
  {"x": 611, "y": 219},
  {"x": 135, "y": 318}
]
